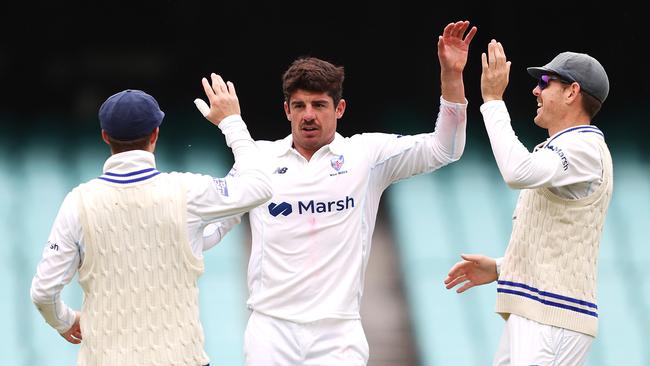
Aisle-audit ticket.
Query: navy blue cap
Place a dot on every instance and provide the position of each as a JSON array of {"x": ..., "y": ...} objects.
[{"x": 130, "y": 115}]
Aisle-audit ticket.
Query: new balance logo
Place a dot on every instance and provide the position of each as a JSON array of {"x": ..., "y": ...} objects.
[{"x": 283, "y": 208}]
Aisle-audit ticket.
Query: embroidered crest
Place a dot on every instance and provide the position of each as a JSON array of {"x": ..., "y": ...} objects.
[{"x": 337, "y": 163}]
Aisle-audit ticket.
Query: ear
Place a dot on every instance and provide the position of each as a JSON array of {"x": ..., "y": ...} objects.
[
  {"x": 574, "y": 91},
  {"x": 287, "y": 111},
  {"x": 105, "y": 137},
  {"x": 340, "y": 109},
  {"x": 154, "y": 136}
]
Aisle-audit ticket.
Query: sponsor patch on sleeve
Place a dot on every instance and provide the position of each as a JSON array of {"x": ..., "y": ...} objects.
[
  {"x": 222, "y": 186},
  {"x": 557, "y": 150}
]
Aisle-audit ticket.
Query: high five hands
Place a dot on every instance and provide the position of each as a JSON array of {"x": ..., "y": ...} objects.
[
  {"x": 222, "y": 97},
  {"x": 495, "y": 72}
]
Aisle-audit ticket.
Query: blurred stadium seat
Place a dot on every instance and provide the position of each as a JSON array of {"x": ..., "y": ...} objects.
[{"x": 464, "y": 207}]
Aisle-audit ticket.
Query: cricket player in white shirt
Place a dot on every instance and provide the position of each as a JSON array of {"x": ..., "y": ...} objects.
[
  {"x": 135, "y": 236},
  {"x": 546, "y": 282},
  {"x": 311, "y": 242}
]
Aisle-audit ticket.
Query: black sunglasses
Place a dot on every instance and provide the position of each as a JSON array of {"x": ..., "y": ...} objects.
[{"x": 544, "y": 80}]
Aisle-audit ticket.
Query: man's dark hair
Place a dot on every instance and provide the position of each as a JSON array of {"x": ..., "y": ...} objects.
[
  {"x": 118, "y": 146},
  {"x": 590, "y": 104},
  {"x": 314, "y": 75}
]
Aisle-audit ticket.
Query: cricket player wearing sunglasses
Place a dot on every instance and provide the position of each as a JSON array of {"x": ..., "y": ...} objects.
[{"x": 546, "y": 281}]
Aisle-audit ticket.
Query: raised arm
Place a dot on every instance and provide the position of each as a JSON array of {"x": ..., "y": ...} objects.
[
  {"x": 453, "y": 47},
  {"x": 234, "y": 194},
  {"x": 519, "y": 167}
]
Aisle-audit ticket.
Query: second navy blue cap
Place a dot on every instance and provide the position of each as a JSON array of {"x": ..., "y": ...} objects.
[{"x": 130, "y": 115}]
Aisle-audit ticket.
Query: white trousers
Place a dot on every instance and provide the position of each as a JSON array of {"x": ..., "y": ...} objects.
[
  {"x": 525, "y": 342},
  {"x": 270, "y": 341}
]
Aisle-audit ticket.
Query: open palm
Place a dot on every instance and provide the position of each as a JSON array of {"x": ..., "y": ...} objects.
[{"x": 453, "y": 45}]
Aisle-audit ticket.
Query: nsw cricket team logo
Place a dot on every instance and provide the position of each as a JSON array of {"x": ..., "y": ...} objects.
[{"x": 337, "y": 163}]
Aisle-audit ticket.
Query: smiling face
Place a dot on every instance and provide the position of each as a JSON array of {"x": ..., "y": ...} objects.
[
  {"x": 557, "y": 108},
  {"x": 313, "y": 118}
]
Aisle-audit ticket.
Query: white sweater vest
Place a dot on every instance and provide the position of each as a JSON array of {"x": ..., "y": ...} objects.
[
  {"x": 139, "y": 276},
  {"x": 549, "y": 271}
]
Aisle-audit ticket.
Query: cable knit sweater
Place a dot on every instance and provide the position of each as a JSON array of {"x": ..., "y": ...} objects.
[
  {"x": 550, "y": 267},
  {"x": 139, "y": 275}
]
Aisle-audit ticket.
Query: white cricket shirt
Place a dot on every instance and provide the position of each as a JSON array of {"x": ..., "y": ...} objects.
[
  {"x": 311, "y": 241},
  {"x": 568, "y": 163}
]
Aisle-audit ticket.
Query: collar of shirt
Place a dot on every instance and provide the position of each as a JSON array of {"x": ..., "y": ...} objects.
[
  {"x": 574, "y": 129},
  {"x": 129, "y": 167},
  {"x": 129, "y": 162},
  {"x": 286, "y": 144}
]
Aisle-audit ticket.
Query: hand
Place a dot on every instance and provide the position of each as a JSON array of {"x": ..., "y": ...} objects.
[
  {"x": 495, "y": 74},
  {"x": 474, "y": 270},
  {"x": 73, "y": 335},
  {"x": 453, "y": 48},
  {"x": 223, "y": 100}
]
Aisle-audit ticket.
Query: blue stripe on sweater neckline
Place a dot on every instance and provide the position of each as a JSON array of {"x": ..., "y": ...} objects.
[
  {"x": 130, "y": 173},
  {"x": 125, "y": 181},
  {"x": 588, "y": 128}
]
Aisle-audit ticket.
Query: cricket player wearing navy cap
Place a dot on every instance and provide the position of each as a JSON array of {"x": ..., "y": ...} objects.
[{"x": 134, "y": 236}]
